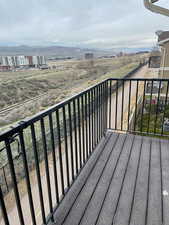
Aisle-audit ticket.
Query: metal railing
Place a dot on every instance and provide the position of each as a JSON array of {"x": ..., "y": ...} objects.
[
  {"x": 139, "y": 106},
  {"x": 57, "y": 143},
  {"x": 61, "y": 138},
  {"x": 4, "y": 167}
]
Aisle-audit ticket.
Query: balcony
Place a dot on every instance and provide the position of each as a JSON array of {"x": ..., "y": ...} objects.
[{"x": 100, "y": 157}]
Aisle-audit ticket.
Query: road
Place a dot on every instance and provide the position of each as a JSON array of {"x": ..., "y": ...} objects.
[{"x": 9, "y": 199}]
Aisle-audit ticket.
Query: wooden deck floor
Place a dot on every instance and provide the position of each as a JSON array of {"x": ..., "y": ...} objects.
[{"x": 125, "y": 182}]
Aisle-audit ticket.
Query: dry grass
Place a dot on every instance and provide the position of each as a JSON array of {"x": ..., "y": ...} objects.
[{"x": 67, "y": 79}]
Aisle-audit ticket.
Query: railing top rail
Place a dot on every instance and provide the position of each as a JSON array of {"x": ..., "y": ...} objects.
[
  {"x": 139, "y": 79},
  {"x": 28, "y": 121},
  {"x": 25, "y": 123}
]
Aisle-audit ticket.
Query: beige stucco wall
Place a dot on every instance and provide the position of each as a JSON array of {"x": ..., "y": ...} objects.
[{"x": 164, "y": 67}]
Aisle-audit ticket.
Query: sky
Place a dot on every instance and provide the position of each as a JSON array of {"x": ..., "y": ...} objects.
[{"x": 87, "y": 23}]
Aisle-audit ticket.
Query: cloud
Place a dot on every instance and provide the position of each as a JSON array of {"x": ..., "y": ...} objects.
[{"x": 95, "y": 23}]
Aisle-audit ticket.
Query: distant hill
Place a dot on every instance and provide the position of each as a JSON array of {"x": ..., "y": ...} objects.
[
  {"x": 132, "y": 50},
  {"x": 61, "y": 51},
  {"x": 51, "y": 51}
]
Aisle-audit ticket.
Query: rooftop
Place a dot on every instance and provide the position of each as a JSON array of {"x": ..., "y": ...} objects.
[{"x": 163, "y": 36}]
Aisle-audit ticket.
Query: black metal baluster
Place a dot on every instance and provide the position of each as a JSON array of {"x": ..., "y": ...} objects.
[
  {"x": 86, "y": 126},
  {"x": 95, "y": 118},
  {"x": 60, "y": 153},
  {"x": 98, "y": 95},
  {"x": 135, "y": 116},
  {"x": 148, "y": 126},
  {"x": 122, "y": 105},
  {"x": 71, "y": 140},
  {"x": 102, "y": 109},
  {"x": 106, "y": 102},
  {"x": 35, "y": 151},
  {"x": 116, "y": 105},
  {"x": 83, "y": 130},
  {"x": 158, "y": 98},
  {"x": 165, "y": 104},
  {"x": 3, "y": 208},
  {"x": 101, "y": 112},
  {"x": 100, "y": 118},
  {"x": 4, "y": 175},
  {"x": 97, "y": 115},
  {"x": 28, "y": 185},
  {"x": 66, "y": 146},
  {"x": 99, "y": 91},
  {"x": 79, "y": 132},
  {"x": 14, "y": 180},
  {"x": 43, "y": 132},
  {"x": 110, "y": 100},
  {"x": 128, "y": 124},
  {"x": 92, "y": 95},
  {"x": 89, "y": 102},
  {"x": 54, "y": 157},
  {"x": 142, "y": 110},
  {"x": 75, "y": 135}
]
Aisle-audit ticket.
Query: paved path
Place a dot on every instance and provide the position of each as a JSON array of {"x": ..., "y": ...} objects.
[{"x": 140, "y": 74}]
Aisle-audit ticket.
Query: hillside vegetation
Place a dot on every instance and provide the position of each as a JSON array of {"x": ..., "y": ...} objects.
[{"x": 68, "y": 78}]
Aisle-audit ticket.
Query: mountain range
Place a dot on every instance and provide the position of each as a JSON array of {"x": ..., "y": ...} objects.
[{"x": 61, "y": 51}]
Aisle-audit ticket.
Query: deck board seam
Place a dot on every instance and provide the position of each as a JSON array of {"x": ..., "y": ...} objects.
[
  {"x": 96, "y": 185},
  {"x": 148, "y": 185},
  {"x": 122, "y": 184},
  {"x": 111, "y": 179},
  {"x": 136, "y": 180},
  {"x": 161, "y": 179},
  {"x": 70, "y": 208}
]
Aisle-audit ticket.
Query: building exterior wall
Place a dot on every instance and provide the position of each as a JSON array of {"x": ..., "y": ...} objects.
[
  {"x": 164, "y": 67},
  {"x": 4, "y": 68},
  {"x": 89, "y": 56},
  {"x": 22, "y": 61},
  {"x": 154, "y": 61},
  {"x": 10, "y": 60},
  {"x": 35, "y": 61}
]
